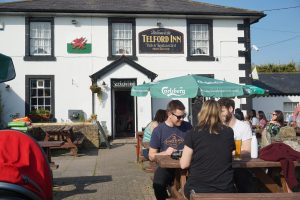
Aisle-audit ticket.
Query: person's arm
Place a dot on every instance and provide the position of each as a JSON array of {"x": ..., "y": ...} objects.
[
  {"x": 186, "y": 157},
  {"x": 153, "y": 152}
]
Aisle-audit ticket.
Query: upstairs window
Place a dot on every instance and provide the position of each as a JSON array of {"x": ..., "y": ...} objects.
[
  {"x": 200, "y": 40},
  {"x": 121, "y": 38},
  {"x": 39, "y": 39}
]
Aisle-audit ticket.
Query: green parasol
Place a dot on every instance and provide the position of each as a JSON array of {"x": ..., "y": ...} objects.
[
  {"x": 7, "y": 70},
  {"x": 190, "y": 86}
]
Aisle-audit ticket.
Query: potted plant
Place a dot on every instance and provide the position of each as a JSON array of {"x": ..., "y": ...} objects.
[
  {"x": 40, "y": 115},
  {"x": 95, "y": 88}
]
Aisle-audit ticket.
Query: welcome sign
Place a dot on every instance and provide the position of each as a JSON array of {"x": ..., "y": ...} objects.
[{"x": 161, "y": 40}]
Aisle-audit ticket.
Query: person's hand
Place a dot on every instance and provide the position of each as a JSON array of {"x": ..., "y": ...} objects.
[{"x": 169, "y": 151}]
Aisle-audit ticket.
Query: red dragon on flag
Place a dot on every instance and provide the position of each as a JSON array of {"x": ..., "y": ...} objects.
[{"x": 79, "y": 43}]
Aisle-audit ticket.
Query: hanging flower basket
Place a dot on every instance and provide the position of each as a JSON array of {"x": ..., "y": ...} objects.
[{"x": 95, "y": 88}]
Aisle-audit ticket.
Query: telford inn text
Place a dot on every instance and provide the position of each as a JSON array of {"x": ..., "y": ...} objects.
[{"x": 60, "y": 50}]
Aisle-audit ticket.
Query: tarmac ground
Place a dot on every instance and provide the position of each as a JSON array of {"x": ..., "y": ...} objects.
[{"x": 110, "y": 174}]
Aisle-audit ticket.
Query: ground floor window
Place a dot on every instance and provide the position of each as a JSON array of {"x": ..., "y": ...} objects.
[
  {"x": 288, "y": 109},
  {"x": 39, "y": 93}
]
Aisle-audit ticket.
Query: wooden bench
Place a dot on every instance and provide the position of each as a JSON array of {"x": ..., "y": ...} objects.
[{"x": 244, "y": 196}]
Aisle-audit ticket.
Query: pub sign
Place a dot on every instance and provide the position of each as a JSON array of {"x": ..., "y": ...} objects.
[{"x": 161, "y": 40}]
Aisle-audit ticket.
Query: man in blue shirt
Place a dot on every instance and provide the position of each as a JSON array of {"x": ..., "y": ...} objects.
[{"x": 167, "y": 138}]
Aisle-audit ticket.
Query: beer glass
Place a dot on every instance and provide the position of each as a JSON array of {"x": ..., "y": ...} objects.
[{"x": 238, "y": 145}]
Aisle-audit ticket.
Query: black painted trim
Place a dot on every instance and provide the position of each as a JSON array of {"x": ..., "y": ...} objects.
[
  {"x": 241, "y": 27},
  {"x": 29, "y": 57},
  {"x": 210, "y": 57},
  {"x": 27, "y": 93},
  {"x": 241, "y": 40},
  {"x": 244, "y": 66},
  {"x": 246, "y": 80},
  {"x": 242, "y": 53},
  {"x": 121, "y": 20},
  {"x": 123, "y": 59}
]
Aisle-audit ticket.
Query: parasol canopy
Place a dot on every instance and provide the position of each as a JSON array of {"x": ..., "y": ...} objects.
[{"x": 191, "y": 86}]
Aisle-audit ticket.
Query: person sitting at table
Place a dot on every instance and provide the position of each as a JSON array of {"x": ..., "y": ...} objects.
[
  {"x": 262, "y": 119},
  {"x": 160, "y": 117},
  {"x": 253, "y": 119},
  {"x": 239, "y": 114},
  {"x": 272, "y": 128},
  {"x": 166, "y": 138},
  {"x": 243, "y": 178},
  {"x": 208, "y": 153}
]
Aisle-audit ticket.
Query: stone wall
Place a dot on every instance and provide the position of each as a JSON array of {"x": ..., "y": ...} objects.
[{"x": 89, "y": 130}]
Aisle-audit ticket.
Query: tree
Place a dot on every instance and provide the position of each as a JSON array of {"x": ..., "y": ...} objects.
[{"x": 290, "y": 67}]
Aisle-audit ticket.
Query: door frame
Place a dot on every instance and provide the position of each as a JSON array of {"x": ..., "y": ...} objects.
[{"x": 112, "y": 90}]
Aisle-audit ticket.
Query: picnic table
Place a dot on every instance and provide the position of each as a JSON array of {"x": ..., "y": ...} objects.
[
  {"x": 254, "y": 164},
  {"x": 64, "y": 134},
  {"x": 47, "y": 145}
]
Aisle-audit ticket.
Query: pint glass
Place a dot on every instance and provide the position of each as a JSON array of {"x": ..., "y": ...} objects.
[{"x": 238, "y": 145}]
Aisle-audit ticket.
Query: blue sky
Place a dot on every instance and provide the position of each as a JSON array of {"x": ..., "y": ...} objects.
[
  {"x": 277, "y": 26},
  {"x": 270, "y": 33}
]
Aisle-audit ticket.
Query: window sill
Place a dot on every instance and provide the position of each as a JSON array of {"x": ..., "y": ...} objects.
[
  {"x": 39, "y": 58},
  {"x": 117, "y": 57},
  {"x": 201, "y": 58}
]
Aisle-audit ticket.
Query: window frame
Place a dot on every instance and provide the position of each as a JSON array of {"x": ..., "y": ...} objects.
[
  {"x": 210, "y": 56},
  {"x": 293, "y": 105},
  {"x": 28, "y": 78},
  {"x": 29, "y": 57},
  {"x": 121, "y": 20}
]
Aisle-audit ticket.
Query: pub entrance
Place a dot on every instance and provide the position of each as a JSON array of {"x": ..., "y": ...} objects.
[{"x": 123, "y": 108}]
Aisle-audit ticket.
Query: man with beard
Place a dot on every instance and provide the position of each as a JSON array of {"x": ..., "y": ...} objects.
[
  {"x": 166, "y": 138},
  {"x": 240, "y": 128},
  {"x": 243, "y": 178}
]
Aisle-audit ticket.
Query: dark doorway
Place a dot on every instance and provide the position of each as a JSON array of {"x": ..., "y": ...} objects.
[{"x": 124, "y": 114}]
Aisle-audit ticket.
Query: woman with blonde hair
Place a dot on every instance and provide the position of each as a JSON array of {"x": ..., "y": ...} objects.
[{"x": 208, "y": 153}]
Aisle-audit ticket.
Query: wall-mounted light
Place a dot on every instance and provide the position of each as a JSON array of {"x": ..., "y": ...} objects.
[
  {"x": 74, "y": 22},
  {"x": 2, "y": 26},
  {"x": 103, "y": 83},
  {"x": 7, "y": 87},
  {"x": 159, "y": 24}
]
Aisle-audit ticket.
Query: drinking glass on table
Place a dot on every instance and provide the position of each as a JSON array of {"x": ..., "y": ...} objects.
[{"x": 238, "y": 145}]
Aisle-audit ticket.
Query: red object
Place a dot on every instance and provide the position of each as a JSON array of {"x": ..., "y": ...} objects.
[
  {"x": 23, "y": 163},
  {"x": 79, "y": 43},
  {"x": 286, "y": 155}
]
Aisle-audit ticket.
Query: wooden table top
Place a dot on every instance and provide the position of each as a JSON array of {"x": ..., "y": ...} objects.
[
  {"x": 50, "y": 143},
  {"x": 167, "y": 162}
]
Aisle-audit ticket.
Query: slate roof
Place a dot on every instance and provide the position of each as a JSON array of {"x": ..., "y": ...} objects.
[
  {"x": 279, "y": 83},
  {"x": 173, "y": 7}
]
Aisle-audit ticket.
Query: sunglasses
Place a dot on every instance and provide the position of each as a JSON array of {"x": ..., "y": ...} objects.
[
  {"x": 274, "y": 114},
  {"x": 179, "y": 117}
]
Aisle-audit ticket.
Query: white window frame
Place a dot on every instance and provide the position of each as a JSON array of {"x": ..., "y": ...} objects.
[
  {"x": 122, "y": 41},
  {"x": 288, "y": 108},
  {"x": 38, "y": 88},
  {"x": 40, "y": 38},
  {"x": 199, "y": 34}
]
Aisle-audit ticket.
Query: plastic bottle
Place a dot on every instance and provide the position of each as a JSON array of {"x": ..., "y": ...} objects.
[{"x": 254, "y": 146}]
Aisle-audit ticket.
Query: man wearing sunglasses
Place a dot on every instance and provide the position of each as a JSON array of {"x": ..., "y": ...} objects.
[{"x": 166, "y": 138}]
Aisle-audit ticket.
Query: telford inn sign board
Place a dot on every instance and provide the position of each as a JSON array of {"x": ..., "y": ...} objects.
[{"x": 161, "y": 40}]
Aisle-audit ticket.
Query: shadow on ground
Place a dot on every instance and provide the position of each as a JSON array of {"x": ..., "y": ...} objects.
[
  {"x": 71, "y": 186},
  {"x": 81, "y": 152}
]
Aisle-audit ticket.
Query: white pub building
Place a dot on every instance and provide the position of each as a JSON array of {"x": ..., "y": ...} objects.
[{"x": 62, "y": 48}]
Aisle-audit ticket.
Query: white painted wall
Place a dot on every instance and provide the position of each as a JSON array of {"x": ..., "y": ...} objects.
[
  {"x": 269, "y": 104},
  {"x": 72, "y": 71}
]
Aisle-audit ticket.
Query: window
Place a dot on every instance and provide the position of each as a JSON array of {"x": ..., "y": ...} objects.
[
  {"x": 288, "y": 109},
  {"x": 39, "y": 39},
  {"x": 39, "y": 93},
  {"x": 200, "y": 40},
  {"x": 121, "y": 38}
]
